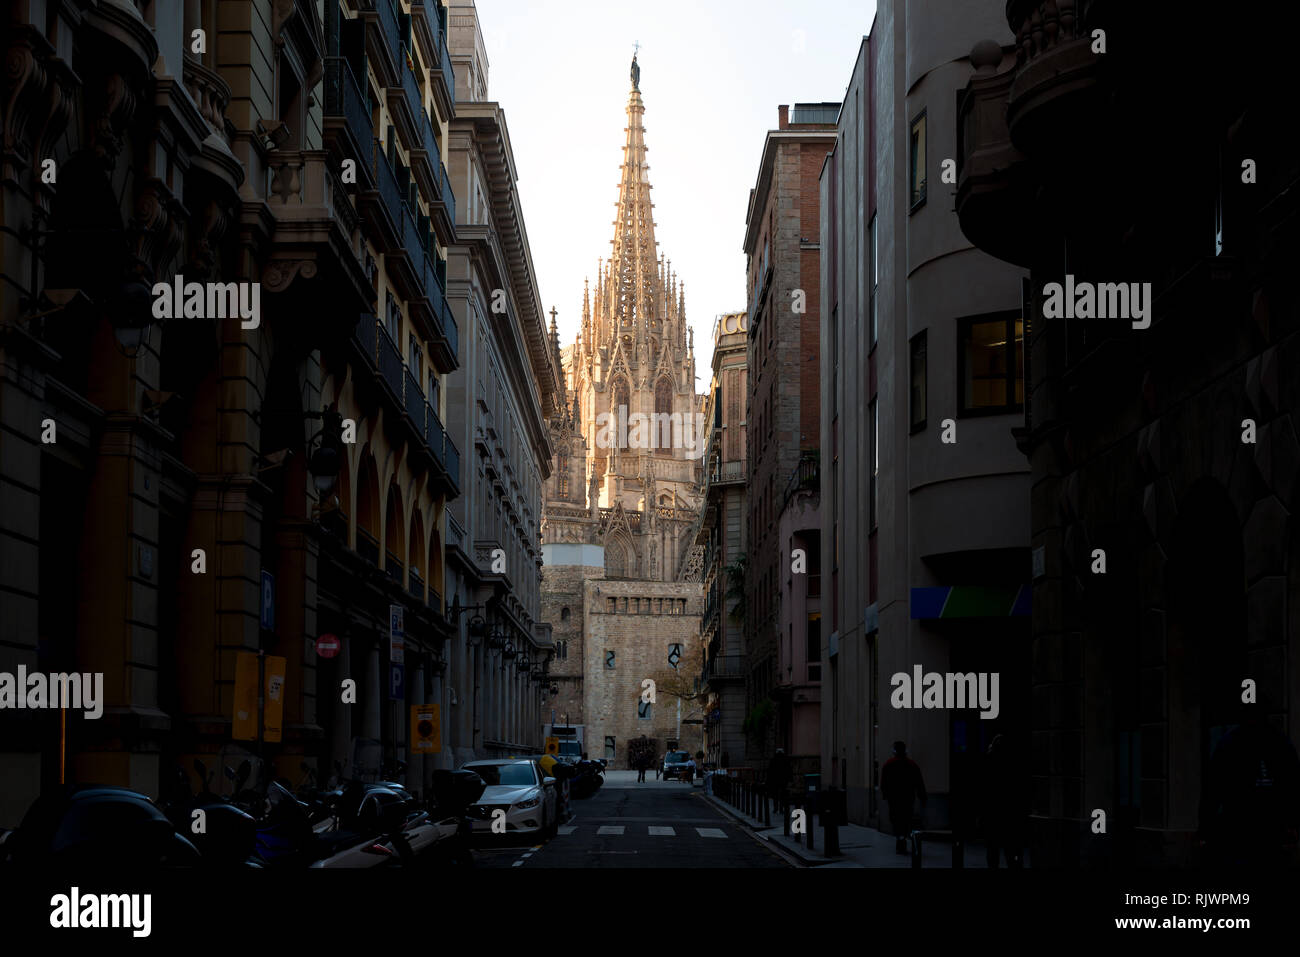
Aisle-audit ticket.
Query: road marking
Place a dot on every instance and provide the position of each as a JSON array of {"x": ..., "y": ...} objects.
[
  {"x": 566, "y": 830},
  {"x": 711, "y": 832},
  {"x": 662, "y": 831},
  {"x": 517, "y": 864},
  {"x": 528, "y": 855},
  {"x": 610, "y": 829}
]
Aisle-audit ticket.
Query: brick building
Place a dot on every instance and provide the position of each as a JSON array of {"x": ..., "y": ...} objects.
[{"x": 782, "y": 242}]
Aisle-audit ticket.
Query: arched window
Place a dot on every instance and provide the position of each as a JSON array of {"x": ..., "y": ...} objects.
[
  {"x": 621, "y": 402},
  {"x": 562, "y": 475},
  {"x": 615, "y": 560},
  {"x": 564, "y": 613},
  {"x": 663, "y": 397}
]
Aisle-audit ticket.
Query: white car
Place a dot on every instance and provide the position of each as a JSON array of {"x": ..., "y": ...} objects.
[{"x": 518, "y": 787}]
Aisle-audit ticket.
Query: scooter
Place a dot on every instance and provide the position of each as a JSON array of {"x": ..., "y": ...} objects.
[{"x": 222, "y": 832}]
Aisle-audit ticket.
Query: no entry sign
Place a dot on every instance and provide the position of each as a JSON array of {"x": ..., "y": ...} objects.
[{"x": 327, "y": 646}]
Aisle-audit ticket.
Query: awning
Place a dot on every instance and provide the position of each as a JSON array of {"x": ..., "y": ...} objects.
[{"x": 971, "y": 601}]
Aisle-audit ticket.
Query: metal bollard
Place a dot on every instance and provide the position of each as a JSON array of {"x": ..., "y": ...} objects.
[{"x": 916, "y": 848}]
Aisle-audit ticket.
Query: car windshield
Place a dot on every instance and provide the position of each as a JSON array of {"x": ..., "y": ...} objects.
[
  {"x": 678, "y": 756},
  {"x": 508, "y": 774}
]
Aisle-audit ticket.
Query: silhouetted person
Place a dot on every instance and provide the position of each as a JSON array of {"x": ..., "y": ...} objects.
[
  {"x": 642, "y": 763},
  {"x": 901, "y": 785},
  {"x": 1250, "y": 810},
  {"x": 1003, "y": 797}
]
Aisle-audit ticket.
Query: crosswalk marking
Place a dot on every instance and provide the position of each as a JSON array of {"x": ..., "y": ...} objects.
[
  {"x": 566, "y": 829},
  {"x": 711, "y": 832},
  {"x": 610, "y": 829},
  {"x": 662, "y": 831}
]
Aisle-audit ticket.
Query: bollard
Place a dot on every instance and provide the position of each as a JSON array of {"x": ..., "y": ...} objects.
[
  {"x": 916, "y": 848},
  {"x": 832, "y": 835}
]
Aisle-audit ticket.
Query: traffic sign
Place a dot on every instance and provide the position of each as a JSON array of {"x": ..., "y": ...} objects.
[
  {"x": 268, "y": 600},
  {"x": 396, "y": 633},
  {"x": 327, "y": 646},
  {"x": 396, "y": 681},
  {"x": 426, "y": 736},
  {"x": 552, "y": 745}
]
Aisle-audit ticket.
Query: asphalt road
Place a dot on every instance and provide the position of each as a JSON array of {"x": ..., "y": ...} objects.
[{"x": 656, "y": 824}]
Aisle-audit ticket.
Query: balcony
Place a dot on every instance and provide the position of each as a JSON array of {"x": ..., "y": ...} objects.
[
  {"x": 453, "y": 465},
  {"x": 1055, "y": 73},
  {"x": 405, "y": 102},
  {"x": 429, "y": 23},
  {"x": 413, "y": 402},
  {"x": 994, "y": 197},
  {"x": 389, "y": 364},
  {"x": 347, "y": 119},
  {"x": 383, "y": 39},
  {"x": 444, "y": 206},
  {"x": 805, "y": 477},
  {"x": 367, "y": 546},
  {"x": 426, "y": 158},
  {"x": 382, "y": 206},
  {"x": 393, "y": 568},
  {"x": 434, "y": 437},
  {"x": 416, "y": 586},
  {"x": 726, "y": 668},
  {"x": 406, "y": 261}
]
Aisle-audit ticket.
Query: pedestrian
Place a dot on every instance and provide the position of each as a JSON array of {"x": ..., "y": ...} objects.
[
  {"x": 1250, "y": 805},
  {"x": 1002, "y": 794},
  {"x": 901, "y": 785},
  {"x": 641, "y": 764},
  {"x": 699, "y": 764}
]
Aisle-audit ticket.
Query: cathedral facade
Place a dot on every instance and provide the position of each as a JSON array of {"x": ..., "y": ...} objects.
[{"x": 621, "y": 573}]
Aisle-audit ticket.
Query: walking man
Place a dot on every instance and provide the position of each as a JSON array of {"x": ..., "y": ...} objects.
[{"x": 901, "y": 785}]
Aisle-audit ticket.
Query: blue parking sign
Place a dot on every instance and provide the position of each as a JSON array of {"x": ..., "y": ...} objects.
[
  {"x": 397, "y": 682},
  {"x": 268, "y": 600}
]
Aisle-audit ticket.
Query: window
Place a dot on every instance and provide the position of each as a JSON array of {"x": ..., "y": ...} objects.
[
  {"x": 918, "y": 381},
  {"x": 917, "y": 171},
  {"x": 814, "y": 648},
  {"x": 674, "y": 655},
  {"x": 875, "y": 275},
  {"x": 620, "y": 403},
  {"x": 643, "y": 709},
  {"x": 610, "y": 754},
  {"x": 564, "y": 613},
  {"x": 875, "y": 458},
  {"x": 561, "y": 650},
  {"x": 609, "y": 659},
  {"x": 990, "y": 354},
  {"x": 562, "y": 484}
]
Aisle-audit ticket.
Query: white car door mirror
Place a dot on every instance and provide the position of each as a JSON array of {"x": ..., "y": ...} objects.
[{"x": 548, "y": 782}]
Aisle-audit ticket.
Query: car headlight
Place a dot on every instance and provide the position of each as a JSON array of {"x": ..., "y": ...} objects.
[{"x": 531, "y": 802}]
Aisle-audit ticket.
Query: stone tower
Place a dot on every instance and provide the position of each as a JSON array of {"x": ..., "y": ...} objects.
[
  {"x": 630, "y": 436},
  {"x": 625, "y": 494}
]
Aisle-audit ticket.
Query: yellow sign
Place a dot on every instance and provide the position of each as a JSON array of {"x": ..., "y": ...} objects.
[
  {"x": 426, "y": 732},
  {"x": 244, "y": 724},
  {"x": 552, "y": 745},
  {"x": 273, "y": 708}
]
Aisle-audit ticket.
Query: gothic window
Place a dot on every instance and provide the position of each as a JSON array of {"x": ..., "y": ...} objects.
[
  {"x": 562, "y": 477},
  {"x": 615, "y": 560},
  {"x": 621, "y": 401},
  {"x": 674, "y": 654},
  {"x": 663, "y": 397}
]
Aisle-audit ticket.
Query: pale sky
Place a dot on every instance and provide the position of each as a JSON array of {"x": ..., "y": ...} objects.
[{"x": 713, "y": 73}]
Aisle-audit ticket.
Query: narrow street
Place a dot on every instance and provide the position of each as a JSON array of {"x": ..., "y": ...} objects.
[{"x": 625, "y": 824}]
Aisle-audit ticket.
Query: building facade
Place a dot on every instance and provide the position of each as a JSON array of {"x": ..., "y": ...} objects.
[
  {"x": 189, "y": 490},
  {"x": 1161, "y": 436},
  {"x": 506, "y": 390},
  {"x": 626, "y": 490},
  {"x": 782, "y": 239},
  {"x": 925, "y": 544},
  {"x": 724, "y": 520}
]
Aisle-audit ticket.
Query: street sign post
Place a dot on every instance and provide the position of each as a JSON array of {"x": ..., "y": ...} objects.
[
  {"x": 396, "y": 633},
  {"x": 327, "y": 646}
]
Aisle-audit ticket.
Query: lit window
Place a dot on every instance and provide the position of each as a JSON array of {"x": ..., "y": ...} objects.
[{"x": 991, "y": 350}]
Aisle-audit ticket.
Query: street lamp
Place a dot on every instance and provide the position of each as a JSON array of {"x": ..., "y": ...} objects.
[{"x": 325, "y": 462}]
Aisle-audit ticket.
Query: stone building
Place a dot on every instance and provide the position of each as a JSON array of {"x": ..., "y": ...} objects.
[
  {"x": 925, "y": 542},
  {"x": 1162, "y": 439},
  {"x": 626, "y": 490},
  {"x": 500, "y": 400},
  {"x": 181, "y": 493},
  {"x": 721, "y": 535},
  {"x": 782, "y": 249}
]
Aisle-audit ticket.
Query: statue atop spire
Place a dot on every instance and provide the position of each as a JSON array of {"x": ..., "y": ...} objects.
[{"x": 636, "y": 70}]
